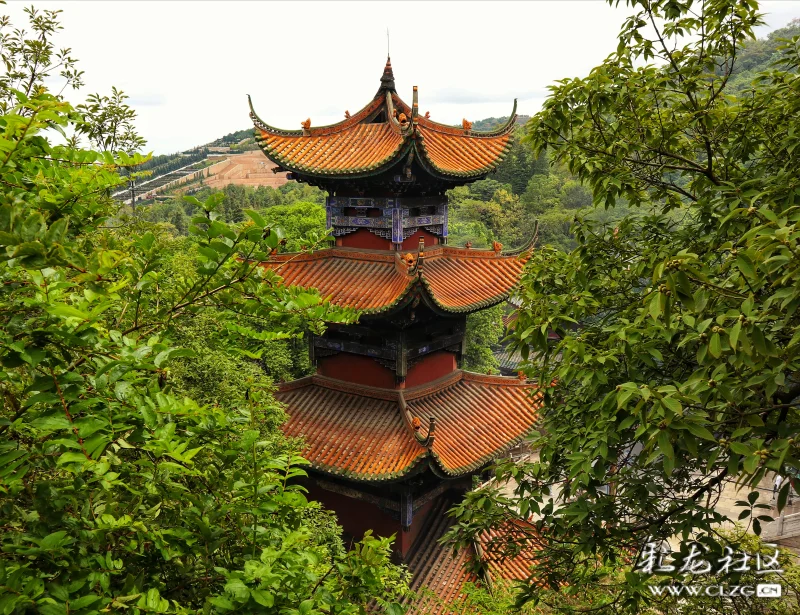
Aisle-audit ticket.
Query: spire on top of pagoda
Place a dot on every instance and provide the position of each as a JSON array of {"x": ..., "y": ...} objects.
[{"x": 387, "y": 80}]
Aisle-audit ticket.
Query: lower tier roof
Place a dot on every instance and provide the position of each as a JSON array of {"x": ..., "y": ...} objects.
[
  {"x": 455, "y": 280},
  {"x": 368, "y": 434}
]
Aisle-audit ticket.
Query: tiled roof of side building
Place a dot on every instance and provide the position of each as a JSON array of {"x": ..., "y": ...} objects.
[
  {"x": 456, "y": 280},
  {"x": 438, "y": 575},
  {"x": 516, "y": 563},
  {"x": 365, "y": 433},
  {"x": 379, "y": 135}
]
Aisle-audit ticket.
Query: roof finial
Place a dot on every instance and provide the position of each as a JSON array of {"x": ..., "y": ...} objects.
[
  {"x": 387, "y": 80},
  {"x": 388, "y": 54}
]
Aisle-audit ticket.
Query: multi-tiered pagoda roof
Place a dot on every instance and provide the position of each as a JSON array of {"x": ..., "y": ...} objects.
[{"x": 394, "y": 430}]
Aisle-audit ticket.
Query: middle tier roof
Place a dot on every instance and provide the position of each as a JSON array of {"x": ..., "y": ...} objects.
[
  {"x": 454, "y": 280},
  {"x": 370, "y": 434}
]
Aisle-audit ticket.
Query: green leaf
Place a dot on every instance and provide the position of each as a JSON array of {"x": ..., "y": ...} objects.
[
  {"x": 783, "y": 495},
  {"x": 656, "y": 305},
  {"x": 672, "y": 403},
  {"x": 173, "y": 353},
  {"x": 751, "y": 463},
  {"x": 70, "y": 457},
  {"x": 263, "y": 597},
  {"x": 83, "y": 602},
  {"x": 66, "y": 311},
  {"x": 664, "y": 444},
  {"x": 715, "y": 346},
  {"x": 259, "y": 221},
  {"x": 55, "y": 540},
  {"x": 740, "y": 449},
  {"x": 221, "y": 602},
  {"x": 734, "y": 334},
  {"x": 745, "y": 265},
  {"x": 700, "y": 432}
]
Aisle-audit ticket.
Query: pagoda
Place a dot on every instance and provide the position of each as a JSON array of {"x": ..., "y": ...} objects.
[{"x": 394, "y": 429}]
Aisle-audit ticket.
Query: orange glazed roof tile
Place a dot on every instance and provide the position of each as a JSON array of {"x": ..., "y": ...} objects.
[
  {"x": 453, "y": 279},
  {"x": 436, "y": 573},
  {"x": 439, "y": 575},
  {"x": 380, "y": 135},
  {"x": 368, "y": 280},
  {"x": 349, "y": 430},
  {"x": 365, "y": 433},
  {"x": 462, "y": 155},
  {"x": 477, "y": 417},
  {"x": 517, "y": 563},
  {"x": 361, "y": 149}
]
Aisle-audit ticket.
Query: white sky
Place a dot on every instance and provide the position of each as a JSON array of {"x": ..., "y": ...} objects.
[{"x": 188, "y": 66}]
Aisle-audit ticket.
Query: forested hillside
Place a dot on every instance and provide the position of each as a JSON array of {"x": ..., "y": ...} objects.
[{"x": 757, "y": 55}]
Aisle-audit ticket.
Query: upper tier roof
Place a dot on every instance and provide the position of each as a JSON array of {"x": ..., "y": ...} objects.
[
  {"x": 453, "y": 280},
  {"x": 367, "y": 434},
  {"x": 380, "y": 135}
]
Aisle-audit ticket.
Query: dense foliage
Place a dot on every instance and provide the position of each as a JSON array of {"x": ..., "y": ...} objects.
[
  {"x": 677, "y": 369},
  {"x": 484, "y": 330},
  {"x": 177, "y": 211},
  {"x": 125, "y": 483}
]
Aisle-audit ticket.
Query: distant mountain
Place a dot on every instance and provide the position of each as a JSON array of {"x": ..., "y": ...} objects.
[
  {"x": 491, "y": 123},
  {"x": 233, "y": 138},
  {"x": 756, "y": 56}
]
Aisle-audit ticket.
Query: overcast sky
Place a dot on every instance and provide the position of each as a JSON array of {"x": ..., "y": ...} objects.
[{"x": 188, "y": 66}]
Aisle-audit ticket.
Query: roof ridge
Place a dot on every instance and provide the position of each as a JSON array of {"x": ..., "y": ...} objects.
[
  {"x": 355, "y": 389},
  {"x": 455, "y": 129},
  {"x": 322, "y": 130},
  {"x": 335, "y": 252},
  {"x": 495, "y": 379},
  {"x": 296, "y": 384},
  {"x": 434, "y": 386},
  {"x": 448, "y": 250}
]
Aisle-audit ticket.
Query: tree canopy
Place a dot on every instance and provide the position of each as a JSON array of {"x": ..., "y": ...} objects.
[
  {"x": 677, "y": 366},
  {"x": 125, "y": 483}
]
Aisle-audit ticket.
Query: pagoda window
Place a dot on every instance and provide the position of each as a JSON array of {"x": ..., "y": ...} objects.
[
  {"x": 363, "y": 212},
  {"x": 422, "y": 211}
]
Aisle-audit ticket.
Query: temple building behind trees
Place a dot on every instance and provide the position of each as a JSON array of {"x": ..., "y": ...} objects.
[{"x": 395, "y": 431}]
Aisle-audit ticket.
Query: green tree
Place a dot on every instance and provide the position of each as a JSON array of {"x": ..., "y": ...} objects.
[
  {"x": 484, "y": 330},
  {"x": 677, "y": 367},
  {"x": 300, "y": 221},
  {"x": 117, "y": 492},
  {"x": 29, "y": 58},
  {"x": 172, "y": 213},
  {"x": 542, "y": 193},
  {"x": 485, "y": 189},
  {"x": 519, "y": 166}
]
